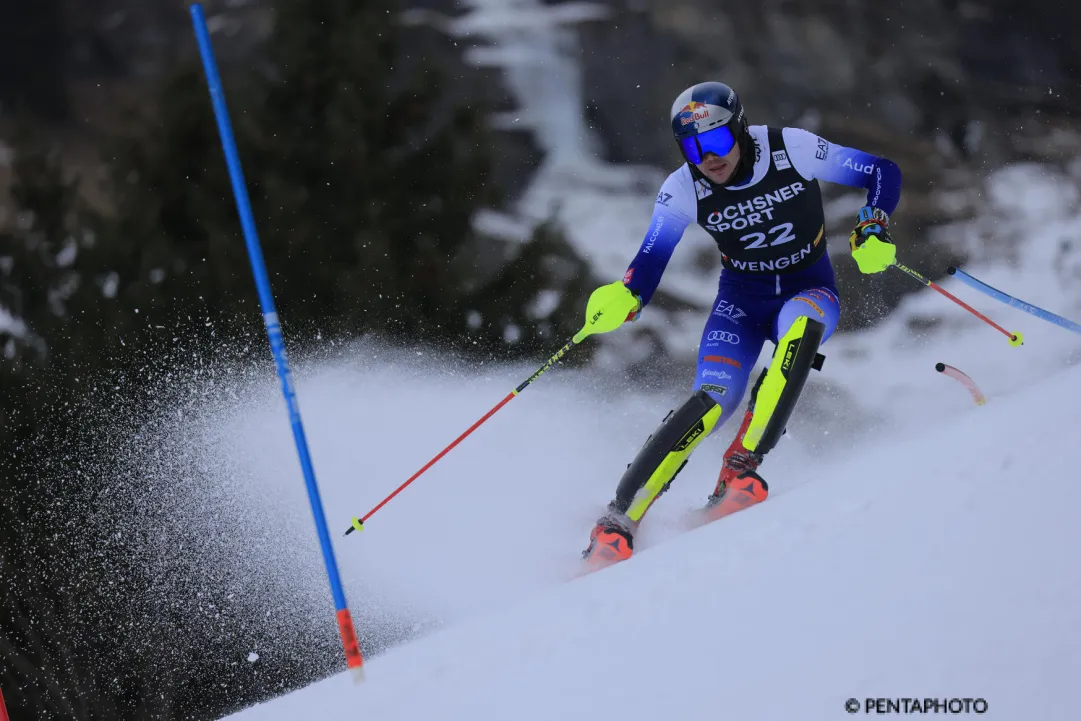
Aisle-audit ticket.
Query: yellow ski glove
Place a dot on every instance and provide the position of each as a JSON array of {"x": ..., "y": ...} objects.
[
  {"x": 609, "y": 307},
  {"x": 872, "y": 248}
]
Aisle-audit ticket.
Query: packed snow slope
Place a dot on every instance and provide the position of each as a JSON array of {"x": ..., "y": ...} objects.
[{"x": 941, "y": 563}]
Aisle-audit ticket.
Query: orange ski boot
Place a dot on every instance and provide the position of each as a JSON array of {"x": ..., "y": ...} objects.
[
  {"x": 609, "y": 542},
  {"x": 736, "y": 493},
  {"x": 738, "y": 485}
]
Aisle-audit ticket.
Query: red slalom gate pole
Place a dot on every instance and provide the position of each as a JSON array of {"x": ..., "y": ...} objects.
[
  {"x": 1015, "y": 338},
  {"x": 963, "y": 379}
]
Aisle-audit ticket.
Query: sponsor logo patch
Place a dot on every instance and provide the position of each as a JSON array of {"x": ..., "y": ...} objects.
[
  {"x": 823, "y": 149},
  {"x": 692, "y": 112},
  {"x": 688, "y": 439},
  {"x": 729, "y": 310},
  {"x": 652, "y": 239},
  {"x": 702, "y": 189},
  {"x": 859, "y": 167},
  {"x": 789, "y": 356},
  {"x": 722, "y": 359},
  {"x": 753, "y": 211},
  {"x": 821, "y": 294},
  {"x": 811, "y": 303},
  {"x": 723, "y": 336}
]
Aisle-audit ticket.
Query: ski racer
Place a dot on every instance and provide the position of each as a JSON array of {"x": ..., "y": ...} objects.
[{"x": 755, "y": 190}]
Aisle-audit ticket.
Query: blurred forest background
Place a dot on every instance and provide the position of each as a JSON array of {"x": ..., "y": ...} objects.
[{"x": 366, "y": 139}]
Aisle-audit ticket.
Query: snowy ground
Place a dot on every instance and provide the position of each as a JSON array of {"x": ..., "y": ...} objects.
[{"x": 939, "y": 564}]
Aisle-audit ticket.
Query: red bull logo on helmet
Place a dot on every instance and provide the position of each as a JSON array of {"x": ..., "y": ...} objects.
[{"x": 692, "y": 112}]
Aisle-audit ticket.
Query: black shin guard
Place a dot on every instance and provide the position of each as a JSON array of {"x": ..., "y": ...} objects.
[{"x": 664, "y": 454}]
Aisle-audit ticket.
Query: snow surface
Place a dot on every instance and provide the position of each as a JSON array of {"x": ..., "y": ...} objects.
[{"x": 938, "y": 564}]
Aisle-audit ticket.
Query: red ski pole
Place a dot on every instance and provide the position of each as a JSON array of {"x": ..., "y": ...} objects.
[
  {"x": 358, "y": 523},
  {"x": 607, "y": 309},
  {"x": 1015, "y": 338}
]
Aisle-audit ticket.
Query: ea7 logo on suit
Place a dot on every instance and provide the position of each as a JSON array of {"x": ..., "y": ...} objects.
[
  {"x": 823, "y": 149},
  {"x": 729, "y": 310}
]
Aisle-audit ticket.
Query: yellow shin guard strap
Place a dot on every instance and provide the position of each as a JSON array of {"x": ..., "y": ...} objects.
[{"x": 784, "y": 370}]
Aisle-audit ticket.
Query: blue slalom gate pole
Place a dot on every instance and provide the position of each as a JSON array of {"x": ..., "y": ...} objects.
[
  {"x": 273, "y": 328},
  {"x": 1013, "y": 302}
]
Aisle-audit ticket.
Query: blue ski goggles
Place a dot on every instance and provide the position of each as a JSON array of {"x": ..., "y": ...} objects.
[{"x": 719, "y": 141}]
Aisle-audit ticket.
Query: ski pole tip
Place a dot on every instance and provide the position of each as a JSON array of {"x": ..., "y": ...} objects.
[
  {"x": 1017, "y": 340},
  {"x": 940, "y": 367}
]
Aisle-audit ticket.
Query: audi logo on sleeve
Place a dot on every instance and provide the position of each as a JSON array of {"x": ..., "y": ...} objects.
[{"x": 723, "y": 336}]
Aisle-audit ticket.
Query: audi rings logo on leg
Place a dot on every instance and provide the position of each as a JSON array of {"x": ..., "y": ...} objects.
[{"x": 723, "y": 336}]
